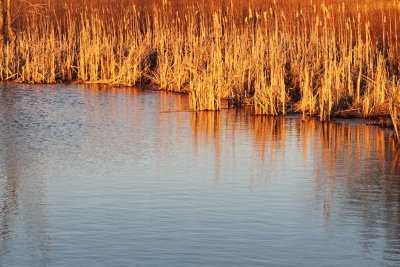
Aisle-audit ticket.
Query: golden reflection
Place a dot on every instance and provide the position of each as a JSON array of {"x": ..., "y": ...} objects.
[
  {"x": 173, "y": 102},
  {"x": 226, "y": 132},
  {"x": 346, "y": 159},
  {"x": 334, "y": 149},
  {"x": 357, "y": 164},
  {"x": 351, "y": 150},
  {"x": 351, "y": 162},
  {"x": 206, "y": 129},
  {"x": 269, "y": 136},
  {"x": 100, "y": 88}
]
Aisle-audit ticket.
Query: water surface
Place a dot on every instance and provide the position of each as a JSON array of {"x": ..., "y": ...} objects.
[{"x": 93, "y": 176}]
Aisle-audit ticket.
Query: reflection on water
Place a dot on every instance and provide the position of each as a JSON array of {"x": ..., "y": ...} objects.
[
  {"x": 358, "y": 170},
  {"x": 119, "y": 177}
]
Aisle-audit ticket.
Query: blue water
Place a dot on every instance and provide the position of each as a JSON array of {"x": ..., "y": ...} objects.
[{"x": 98, "y": 176}]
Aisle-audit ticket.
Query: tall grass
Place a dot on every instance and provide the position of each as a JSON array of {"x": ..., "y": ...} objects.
[
  {"x": 394, "y": 107},
  {"x": 315, "y": 58}
]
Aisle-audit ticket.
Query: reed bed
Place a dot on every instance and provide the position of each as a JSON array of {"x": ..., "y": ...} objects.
[{"x": 319, "y": 59}]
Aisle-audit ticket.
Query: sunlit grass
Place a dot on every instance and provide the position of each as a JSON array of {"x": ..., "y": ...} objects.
[{"x": 309, "y": 57}]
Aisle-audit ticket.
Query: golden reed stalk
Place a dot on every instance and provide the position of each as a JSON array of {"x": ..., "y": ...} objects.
[{"x": 318, "y": 59}]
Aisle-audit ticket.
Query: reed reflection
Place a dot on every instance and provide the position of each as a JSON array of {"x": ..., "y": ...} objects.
[
  {"x": 207, "y": 130},
  {"x": 355, "y": 167},
  {"x": 173, "y": 102},
  {"x": 227, "y": 134},
  {"x": 357, "y": 174},
  {"x": 269, "y": 137}
]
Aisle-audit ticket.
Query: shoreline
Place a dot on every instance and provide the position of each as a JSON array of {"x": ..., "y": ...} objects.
[
  {"x": 328, "y": 60},
  {"x": 378, "y": 120}
]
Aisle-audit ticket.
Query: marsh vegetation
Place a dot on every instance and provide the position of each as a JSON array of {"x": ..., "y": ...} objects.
[{"x": 317, "y": 58}]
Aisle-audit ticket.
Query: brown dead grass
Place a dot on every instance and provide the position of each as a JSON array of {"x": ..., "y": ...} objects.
[{"x": 284, "y": 56}]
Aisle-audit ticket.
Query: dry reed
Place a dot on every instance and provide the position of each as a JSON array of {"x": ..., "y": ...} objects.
[{"x": 317, "y": 59}]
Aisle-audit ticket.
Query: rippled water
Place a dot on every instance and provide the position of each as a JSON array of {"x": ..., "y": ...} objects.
[{"x": 91, "y": 176}]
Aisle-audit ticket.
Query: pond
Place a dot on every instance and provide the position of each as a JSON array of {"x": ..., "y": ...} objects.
[{"x": 99, "y": 176}]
